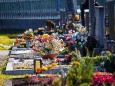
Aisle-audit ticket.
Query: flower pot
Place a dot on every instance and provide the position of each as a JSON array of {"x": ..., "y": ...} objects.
[{"x": 49, "y": 56}]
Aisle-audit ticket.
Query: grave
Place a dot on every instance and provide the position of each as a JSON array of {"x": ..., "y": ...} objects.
[
  {"x": 20, "y": 63},
  {"x": 22, "y": 69}
]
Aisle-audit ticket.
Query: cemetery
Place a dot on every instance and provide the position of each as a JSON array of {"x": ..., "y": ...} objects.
[{"x": 66, "y": 48}]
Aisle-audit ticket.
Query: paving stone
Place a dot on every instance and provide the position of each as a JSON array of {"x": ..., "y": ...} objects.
[{"x": 8, "y": 83}]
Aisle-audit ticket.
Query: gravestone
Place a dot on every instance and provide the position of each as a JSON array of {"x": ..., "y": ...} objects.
[
  {"x": 110, "y": 18},
  {"x": 99, "y": 30},
  {"x": 87, "y": 21},
  {"x": 92, "y": 16}
]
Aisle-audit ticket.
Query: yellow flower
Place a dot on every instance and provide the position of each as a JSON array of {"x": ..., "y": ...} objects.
[
  {"x": 45, "y": 36},
  {"x": 72, "y": 59},
  {"x": 76, "y": 63},
  {"x": 52, "y": 30},
  {"x": 48, "y": 75},
  {"x": 39, "y": 28}
]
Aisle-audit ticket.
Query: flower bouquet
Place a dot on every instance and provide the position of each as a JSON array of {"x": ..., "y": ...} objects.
[
  {"x": 76, "y": 39},
  {"x": 48, "y": 45}
]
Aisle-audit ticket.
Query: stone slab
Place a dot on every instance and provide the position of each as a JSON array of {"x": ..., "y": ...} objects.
[
  {"x": 20, "y": 52},
  {"x": 9, "y": 68}
]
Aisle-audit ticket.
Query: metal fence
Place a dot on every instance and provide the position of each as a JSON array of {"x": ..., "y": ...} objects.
[{"x": 31, "y": 9}]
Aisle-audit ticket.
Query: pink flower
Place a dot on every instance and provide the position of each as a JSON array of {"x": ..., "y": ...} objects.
[
  {"x": 67, "y": 38},
  {"x": 72, "y": 41},
  {"x": 58, "y": 60}
]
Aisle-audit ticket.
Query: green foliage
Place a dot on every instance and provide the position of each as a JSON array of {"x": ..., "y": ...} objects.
[
  {"x": 80, "y": 74},
  {"x": 110, "y": 64},
  {"x": 100, "y": 60},
  {"x": 57, "y": 82},
  {"x": 64, "y": 51},
  {"x": 2, "y": 48}
]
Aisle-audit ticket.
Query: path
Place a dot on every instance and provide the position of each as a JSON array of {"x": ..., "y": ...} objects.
[{"x": 4, "y": 53}]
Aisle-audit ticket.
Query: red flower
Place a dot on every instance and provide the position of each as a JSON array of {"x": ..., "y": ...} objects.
[
  {"x": 43, "y": 39},
  {"x": 66, "y": 56},
  {"x": 58, "y": 60}
]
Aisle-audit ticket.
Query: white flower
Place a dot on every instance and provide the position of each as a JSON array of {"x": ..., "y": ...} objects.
[{"x": 30, "y": 30}]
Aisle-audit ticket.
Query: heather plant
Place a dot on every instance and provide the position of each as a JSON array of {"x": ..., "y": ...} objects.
[
  {"x": 43, "y": 81},
  {"x": 103, "y": 79},
  {"x": 110, "y": 64}
]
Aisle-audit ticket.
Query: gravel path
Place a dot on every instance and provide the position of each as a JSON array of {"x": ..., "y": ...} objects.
[
  {"x": 8, "y": 83},
  {"x": 4, "y": 53}
]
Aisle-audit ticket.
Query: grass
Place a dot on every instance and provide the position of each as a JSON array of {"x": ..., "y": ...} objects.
[
  {"x": 8, "y": 37},
  {"x": 5, "y": 41}
]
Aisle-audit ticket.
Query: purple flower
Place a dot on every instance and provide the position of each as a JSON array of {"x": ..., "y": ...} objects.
[{"x": 72, "y": 41}]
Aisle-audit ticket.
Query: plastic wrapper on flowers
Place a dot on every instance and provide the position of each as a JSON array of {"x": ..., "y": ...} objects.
[
  {"x": 48, "y": 44},
  {"x": 76, "y": 39}
]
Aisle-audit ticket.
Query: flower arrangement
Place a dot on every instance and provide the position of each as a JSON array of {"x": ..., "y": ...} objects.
[
  {"x": 48, "y": 44},
  {"x": 76, "y": 39},
  {"x": 28, "y": 34},
  {"x": 103, "y": 79}
]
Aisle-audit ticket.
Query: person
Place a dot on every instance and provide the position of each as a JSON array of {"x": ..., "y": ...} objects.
[
  {"x": 92, "y": 43},
  {"x": 49, "y": 27}
]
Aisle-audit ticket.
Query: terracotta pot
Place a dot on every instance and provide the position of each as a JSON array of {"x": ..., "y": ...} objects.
[{"x": 50, "y": 56}]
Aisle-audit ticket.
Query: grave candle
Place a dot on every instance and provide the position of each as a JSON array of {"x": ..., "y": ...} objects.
[{"x": 37, "y": 65}]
